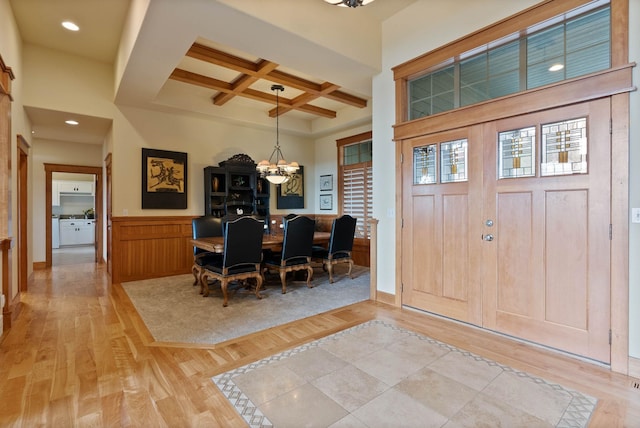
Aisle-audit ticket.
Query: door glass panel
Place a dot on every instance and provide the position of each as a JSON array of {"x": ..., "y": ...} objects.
[
  {"x": 424, "y": 164},
  {"x": 516, "y": 152},
  {"x": 453, "y": 161},
  {"x": 564, "y": 147}
]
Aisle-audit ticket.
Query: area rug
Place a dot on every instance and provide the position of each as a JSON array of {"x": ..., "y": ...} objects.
[
  {"x": 174, "y": 311},
  {"x": 379, "y": 375}
]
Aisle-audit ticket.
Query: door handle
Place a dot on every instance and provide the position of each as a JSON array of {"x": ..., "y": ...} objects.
[{"x": 488, "y": 237}]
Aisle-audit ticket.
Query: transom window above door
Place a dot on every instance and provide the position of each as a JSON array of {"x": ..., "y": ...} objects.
[{"x": 570, "y": 45}]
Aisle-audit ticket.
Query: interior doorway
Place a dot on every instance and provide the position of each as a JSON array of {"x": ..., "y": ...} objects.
[{"x": 94, "y": 251}]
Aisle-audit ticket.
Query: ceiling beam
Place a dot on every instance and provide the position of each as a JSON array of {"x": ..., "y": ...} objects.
[
  {"x": 228, "y": 88},
  {"x": 256, "y": 69}
]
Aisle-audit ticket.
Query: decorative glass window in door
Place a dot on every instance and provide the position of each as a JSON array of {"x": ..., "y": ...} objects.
[
  {"x": 453, "y": 161},
  {"x": 424, "y": 164},
  {"x": 516, "y": 152},
  {"x": 564, "y": 147}
]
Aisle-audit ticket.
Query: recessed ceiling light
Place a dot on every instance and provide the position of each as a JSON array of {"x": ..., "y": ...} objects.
[
  {"x": 70, "y": 26},
  {"x": 71, "y": 122},
  {"x": 556, "y": 67}
]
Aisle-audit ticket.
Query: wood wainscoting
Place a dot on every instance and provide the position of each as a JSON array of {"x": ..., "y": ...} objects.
[
  {"x": 150, "y": 247},
  {"x": 153, "y": 247}
]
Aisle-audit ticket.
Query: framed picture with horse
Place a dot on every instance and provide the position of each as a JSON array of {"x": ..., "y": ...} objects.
[{"x": 164, "y": 179}]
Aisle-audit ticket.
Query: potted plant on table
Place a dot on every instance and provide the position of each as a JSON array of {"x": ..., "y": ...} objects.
[{"x": 89, "y": 213}]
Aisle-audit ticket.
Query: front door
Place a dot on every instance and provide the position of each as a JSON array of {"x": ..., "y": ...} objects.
[
  {"x": 523, "y": 238},
  {"x": 441, "y": 252}
]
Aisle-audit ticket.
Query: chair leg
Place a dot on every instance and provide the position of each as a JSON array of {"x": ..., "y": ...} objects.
[
  {"x": 283, "y": 280},
  {"x": 195, "y": 270},
  {"x": 204, "y": 285},
  {"x": 350, "y": 267},
  {"x": 223, "y": 285},
  {"x": 309, "y": 276},
  {"x": 258, "y": 285},
  {"x": 330, "y": 270}
]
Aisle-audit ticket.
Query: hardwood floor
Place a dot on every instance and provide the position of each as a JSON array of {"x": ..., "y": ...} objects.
[{"x": 79, "y": 355}]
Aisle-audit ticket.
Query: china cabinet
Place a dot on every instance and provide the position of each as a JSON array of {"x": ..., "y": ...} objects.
[{"x": 234, "y": 189}]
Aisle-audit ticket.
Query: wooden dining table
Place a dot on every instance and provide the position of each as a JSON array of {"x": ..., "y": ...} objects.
[{"x": 269, "y": 241}]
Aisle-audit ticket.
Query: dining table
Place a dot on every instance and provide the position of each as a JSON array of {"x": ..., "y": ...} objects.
[{"x": 271, "y": 241}]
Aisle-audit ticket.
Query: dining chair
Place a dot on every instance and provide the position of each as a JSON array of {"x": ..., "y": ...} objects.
[
  {"x": 204, "y": 227},
  {"x": 340, "y": 245},
  {"x": 241, "y": 256},
  {"x": 296, "y": 250}
]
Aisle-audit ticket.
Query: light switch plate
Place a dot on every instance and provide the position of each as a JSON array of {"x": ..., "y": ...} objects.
[{"x": 635, "y": 215}]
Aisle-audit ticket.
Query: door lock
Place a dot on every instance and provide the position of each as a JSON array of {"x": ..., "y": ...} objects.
[{"x": 489, "y": 223}]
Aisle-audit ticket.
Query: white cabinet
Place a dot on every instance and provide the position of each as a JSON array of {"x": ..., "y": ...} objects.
[
  {"x": 55, "y": 193},
  {"x": 83, "y": 187},
  {"x": 77, "y": 232}
]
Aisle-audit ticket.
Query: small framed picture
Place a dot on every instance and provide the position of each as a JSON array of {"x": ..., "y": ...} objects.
[
  {"x": 326, "y": 182},
  {"x": 326, "y": 202}
]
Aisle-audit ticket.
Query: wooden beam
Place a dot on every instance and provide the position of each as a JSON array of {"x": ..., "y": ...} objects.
[
  {"x": 263, "y": 69},
  {"x": 221, "y": 86}
]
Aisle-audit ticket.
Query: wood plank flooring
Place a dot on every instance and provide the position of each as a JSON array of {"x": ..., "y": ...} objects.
[{"x": 79, "y": 355}]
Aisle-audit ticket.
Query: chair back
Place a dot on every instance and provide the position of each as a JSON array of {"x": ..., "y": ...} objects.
[
  {"x": 205, "y": 227},
  {"x": 298, "y": 237},
  {"x": 243, "y": 242},
  {"x": 343, "y": 231}
]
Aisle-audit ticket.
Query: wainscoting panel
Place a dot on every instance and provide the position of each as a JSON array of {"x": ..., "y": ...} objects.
[
  {"x": 150, "y": 247},
  {"x": 153, "y": 247}
]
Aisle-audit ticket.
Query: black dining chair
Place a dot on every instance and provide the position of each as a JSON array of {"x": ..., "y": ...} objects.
[
  {"x": 241, "y": 257},
  {"x": 296, "y": 250},
  {"x": 343, "y": 230},
  {"x": 204, "y": 227}
]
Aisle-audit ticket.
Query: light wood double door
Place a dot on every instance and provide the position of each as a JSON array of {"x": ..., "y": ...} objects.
[{"x": 526, "y": 255}]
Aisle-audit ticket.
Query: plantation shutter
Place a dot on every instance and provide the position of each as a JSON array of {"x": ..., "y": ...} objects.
[
  {"x": 357, "y": 198},
  {"x": 355, "y": 180}
]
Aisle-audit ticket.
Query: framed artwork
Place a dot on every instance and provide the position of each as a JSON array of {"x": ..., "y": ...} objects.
[
  {"x": 164, "y": 179},
  {"x": 326, "y": 202},
  {"x": 326, "y": 182},
  {"x": 291, "y": 193}
]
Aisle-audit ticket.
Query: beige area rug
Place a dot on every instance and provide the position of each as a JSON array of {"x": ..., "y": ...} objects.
[
  {"x": 379, "y": 375},
  {"x": 174, "y": 311}
]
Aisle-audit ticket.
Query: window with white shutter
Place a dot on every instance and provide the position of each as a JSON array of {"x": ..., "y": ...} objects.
[{"x": 355, "y": 191}]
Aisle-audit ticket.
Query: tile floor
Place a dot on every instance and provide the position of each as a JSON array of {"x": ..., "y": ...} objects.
[
  {"x": 73, "y": 255},
  {"x": 379, "y": 375}
]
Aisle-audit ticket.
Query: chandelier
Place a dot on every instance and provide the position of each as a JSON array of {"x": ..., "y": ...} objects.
[
  {"x": 349, "y": 3},
  {"x": 276, "y": 169}
]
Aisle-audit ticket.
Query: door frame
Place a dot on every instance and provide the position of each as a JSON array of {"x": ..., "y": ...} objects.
[
  {"x": 78, "y": 169},
  {"x": 23, "y": 213}
]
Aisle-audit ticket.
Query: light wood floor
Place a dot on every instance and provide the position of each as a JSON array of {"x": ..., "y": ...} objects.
[{"x": 79, "y": 355}]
